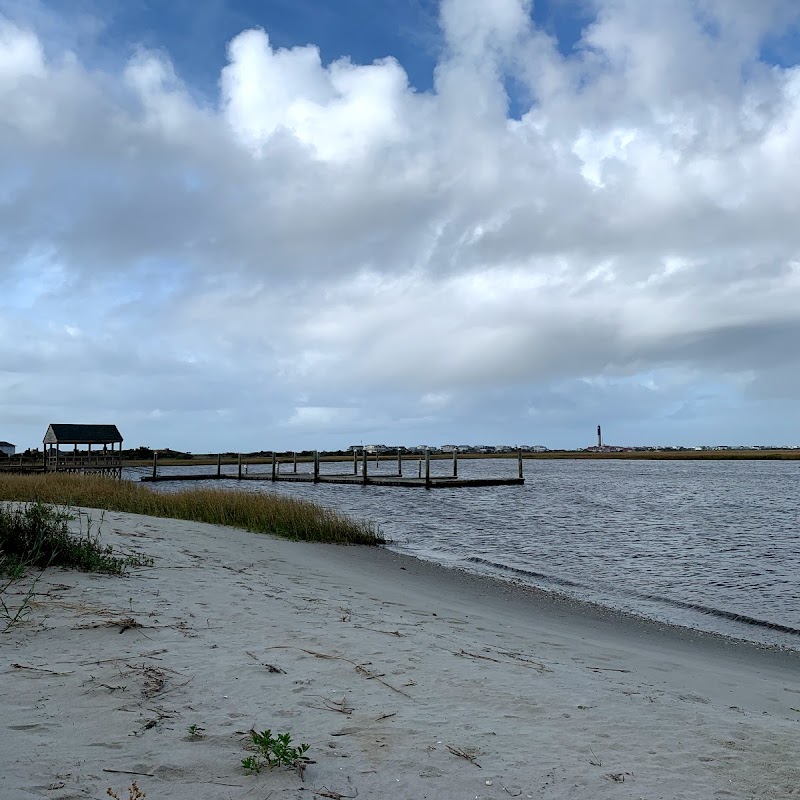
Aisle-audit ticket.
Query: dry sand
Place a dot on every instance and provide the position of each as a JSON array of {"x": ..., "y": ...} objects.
[{"x": 406, "y": 679}]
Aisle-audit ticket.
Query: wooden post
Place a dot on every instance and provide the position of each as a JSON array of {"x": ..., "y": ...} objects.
[
  {"x": 455, "y": 462},
  {"x": 399, "y": 465},
  {"x": 295, "y": 462},
  {"x": 427, "y": 468},
  {"x": 519, "y": 457},
  {"x": 364, "y": 465},
  {"x": 273, "y": 467},
  {"x": 219, "y": 464},
  {"x": 239, "y": 465},
  {"x": 316, "y": 466},
  {"x": 419, "y": 468},
  {"x": 155, "y": 465},
  {"x": 355, "y": 461},
  {"x": 57, "y": 449}
]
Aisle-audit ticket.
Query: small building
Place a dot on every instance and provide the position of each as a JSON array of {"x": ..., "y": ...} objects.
[
  {"x": 104, "y": 458},
  {"x": 7, "y": 448}
]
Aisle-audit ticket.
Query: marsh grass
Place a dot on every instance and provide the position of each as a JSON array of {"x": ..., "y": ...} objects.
[
  {"x": 261, "y": 513},
  {"x": 37, "y": 536}
]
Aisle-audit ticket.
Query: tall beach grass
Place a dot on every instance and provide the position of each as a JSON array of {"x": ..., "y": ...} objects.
[{"x": 261, "y": 513}]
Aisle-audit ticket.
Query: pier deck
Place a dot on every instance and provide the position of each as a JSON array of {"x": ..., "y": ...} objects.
[{"x": 395, "y": 481}]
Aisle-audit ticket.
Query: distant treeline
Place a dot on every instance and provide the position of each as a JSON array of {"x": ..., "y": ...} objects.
[{"x": 139, "y": 455}]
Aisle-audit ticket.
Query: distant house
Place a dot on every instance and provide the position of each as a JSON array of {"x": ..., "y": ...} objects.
[
  {"x": 104, "y": 458},
  {"x": 7, "y": 448}
]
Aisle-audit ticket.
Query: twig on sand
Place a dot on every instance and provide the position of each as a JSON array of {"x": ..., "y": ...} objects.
[
  {"x": 385, "y": 716},
  {"x": 378, "y": 630},
  {"x": 618, "y": 777},
  {"x": 151, "y": 654},
  {"x": 124, "y": 624},
  {"x": 325, "y": 792},
  {"x": 359, "y": 668},
  {"x": 270, "y": 667},
  {"x": 40, "y": 669},
  {"x": 607, "y": 669},
  {"x": 522, "y": 662},
  {"x": 130, "y": 772},
  {"x": 338, "y": 705},
  {"x": 465, "y": 654},
  {"x": 457, "y": 751},
  {"x": 596, "y": 762}
]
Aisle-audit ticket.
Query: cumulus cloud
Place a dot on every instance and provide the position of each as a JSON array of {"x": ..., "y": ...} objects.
[{"x": 322, "y": 246}]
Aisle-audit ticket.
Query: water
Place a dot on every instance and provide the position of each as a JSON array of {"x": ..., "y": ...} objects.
[{"x": 712, "y": 545}]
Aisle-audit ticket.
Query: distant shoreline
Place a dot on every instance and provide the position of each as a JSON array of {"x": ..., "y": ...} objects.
[
  {"x": 640, "y": 455},
  {"x": 210, "y": 459}
]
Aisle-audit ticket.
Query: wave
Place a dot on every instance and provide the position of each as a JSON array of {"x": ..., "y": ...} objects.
[{"x": 720, "y": 613}]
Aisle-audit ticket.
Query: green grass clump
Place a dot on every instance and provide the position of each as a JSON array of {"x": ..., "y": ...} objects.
[
  {"x": 37, "y": 536},
  {"x": 276, "y": 751},
  {"x": 261, "y": 513}
]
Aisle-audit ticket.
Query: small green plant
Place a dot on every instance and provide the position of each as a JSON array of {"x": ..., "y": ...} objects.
[
  {"x": 195, "y": 732},
  {"x": 276, "y": 751}
]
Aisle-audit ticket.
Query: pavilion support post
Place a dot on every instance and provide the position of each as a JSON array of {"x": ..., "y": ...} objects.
[
  {"x": 274, "y": 467},
  {"x": 294, "y": 463},
  {"x": 399, "y": 465},
  {"x": 455, "y": 462},
  {"x": 316, "y": 466},
  {"x": 519, "y": 459},
  {"x": 57, "y": 452},
  {"x": 219, "y": 464},
  {"x": 155, "y": 465},
  {"x": 427, "y": 468},
  {"x": 364, "y": 466},
  {"x": 239, "y": 465}
]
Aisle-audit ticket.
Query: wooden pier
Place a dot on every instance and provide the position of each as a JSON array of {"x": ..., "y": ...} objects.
[{"x": 358, "y": 477}]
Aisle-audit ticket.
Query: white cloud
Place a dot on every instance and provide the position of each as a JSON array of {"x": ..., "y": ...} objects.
[{"x": 325, "y": 229}]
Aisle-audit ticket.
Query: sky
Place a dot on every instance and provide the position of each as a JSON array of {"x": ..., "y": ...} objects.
[{"x": 294, "y": 224}]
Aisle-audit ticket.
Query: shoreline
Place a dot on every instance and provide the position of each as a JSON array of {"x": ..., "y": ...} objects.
[
  {"x": 400, "y": 673},
  {"x": 607, "y": 610},
  {"x": 558, "y": 604}
]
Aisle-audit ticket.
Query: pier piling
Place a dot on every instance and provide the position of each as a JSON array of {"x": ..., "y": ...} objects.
[
  {"x": 239, "y": 465},
  {"x": 427, "y": 468},
  {"x": 455, "y": 462},
  {"x": 155, "y": 465}
]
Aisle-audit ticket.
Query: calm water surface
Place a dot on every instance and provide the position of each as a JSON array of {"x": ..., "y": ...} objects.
[{"x": 691, "y": 543}]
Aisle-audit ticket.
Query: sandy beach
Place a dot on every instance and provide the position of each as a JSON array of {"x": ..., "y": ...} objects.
[{"x": 406, "y": 679}]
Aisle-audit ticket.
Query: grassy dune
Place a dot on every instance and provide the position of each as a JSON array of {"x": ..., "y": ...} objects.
[{"x": 262, "y": 513}]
